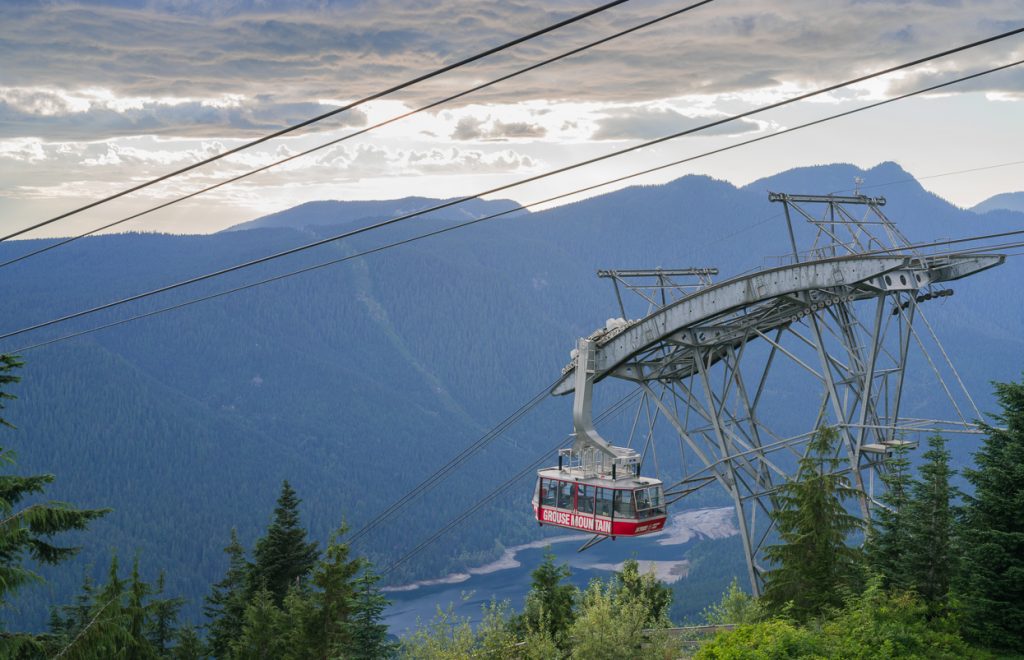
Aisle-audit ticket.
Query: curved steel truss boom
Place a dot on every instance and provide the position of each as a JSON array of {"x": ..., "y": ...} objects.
[{"x": 742, "y": 372}]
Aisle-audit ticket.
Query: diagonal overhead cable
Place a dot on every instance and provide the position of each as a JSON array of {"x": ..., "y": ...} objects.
[
  {"x": 527, "y": 470},
  {"x": 479, "y": 504},
  {"x": 440, "y": 474},
  {"x": 313, "y": 120},
  {"x": 455, "y": 202},
  {"x": 522, "y": 207},
  {"x": 453, "y": 464},
  {"x": 362, "y": 131}
]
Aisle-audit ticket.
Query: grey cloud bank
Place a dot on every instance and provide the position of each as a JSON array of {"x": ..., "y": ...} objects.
[
  {"x": 50, "y": 115},
  {"x": 97, "y": 93},
  {"x": 645, "y": 123},
  {"x": 279, "y": 58}
]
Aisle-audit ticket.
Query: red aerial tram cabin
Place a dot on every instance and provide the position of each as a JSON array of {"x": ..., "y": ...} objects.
[
  {"x": 608, "y": 507},
  {"x": 596, "y": 486}
]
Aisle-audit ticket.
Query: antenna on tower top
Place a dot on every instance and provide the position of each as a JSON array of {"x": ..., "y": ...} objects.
[{"x": 857, "y": 183}]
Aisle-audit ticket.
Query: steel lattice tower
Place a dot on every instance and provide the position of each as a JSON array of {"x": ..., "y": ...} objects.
[{"x": 835, "y": 324}]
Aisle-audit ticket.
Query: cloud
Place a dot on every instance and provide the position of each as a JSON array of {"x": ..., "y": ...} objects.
[
  {"x": 25, "y": 150},
  {"x": 96, "y": 93},
  {"x": 468, "y": 128},
  {"x": 646, "y": 123},
  {"x": 99, "y": 114},
  {"x": 516, "y": 129},
  {"x": 473, "y": 128},
  {"x": 372, "y": 161},
  {"x": 312, "y": 49},
  {"x": 100, "y": 168},
  {"x": 470, "y": 161},
  {"x": 1008, "y": 84}
]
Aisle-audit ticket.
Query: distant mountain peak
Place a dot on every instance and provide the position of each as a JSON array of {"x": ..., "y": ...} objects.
[
  {"x": 838, "y": 178},
  {"x": 1010, "y": 201}
]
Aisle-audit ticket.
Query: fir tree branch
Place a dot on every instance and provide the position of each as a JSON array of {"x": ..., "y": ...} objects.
[{"x": 87, "y": 626}]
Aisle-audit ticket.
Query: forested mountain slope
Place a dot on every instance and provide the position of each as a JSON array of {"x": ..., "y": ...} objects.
[{"x": 356, "y": 381}]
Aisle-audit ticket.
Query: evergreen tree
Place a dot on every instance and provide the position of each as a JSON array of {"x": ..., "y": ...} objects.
[
  {"x": 262, "y": 635},
  {"x": 118, "y": 620},
  {"x": 367, "y": 635},
  {"x": 992, "y": 530},
  {"x": 74, "y": 617},
  {"x": 322, "y": 615},
  {"x": 225, "y": 606},
  {"x": 187, "y": 645},
  {"x": 106, "y": 632},
  {"x": 889, "y": 540},
  {"x": 137, "y": 615},
  {"x": 813, "y": 565},
  {"x": 646, "y": 588},
  {"x": 283, "y": 557},
  {"x": 332, "y": 600},
  {"x": 8, "y": 363},
  {"x": 930, "y": 558},
  {"x": 26, "y": 533},
  {"x": 163, "y": 618},
  {"x": 56, "y": 624},
  {"x": 299, "y": 633},
  {"x": 550, "y": 601}
]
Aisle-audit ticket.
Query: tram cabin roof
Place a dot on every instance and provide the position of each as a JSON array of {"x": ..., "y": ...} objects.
[{"x": 577, "y": 475}]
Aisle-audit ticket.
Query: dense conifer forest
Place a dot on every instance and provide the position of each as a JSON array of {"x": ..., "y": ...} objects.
[
  {"x": 936, "y": 576},
  {"x": 357, "y": 381}
]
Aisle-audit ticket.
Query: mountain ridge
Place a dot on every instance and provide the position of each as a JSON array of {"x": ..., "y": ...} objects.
[
  {"x": 342, "y": 380},
  {"x": 1008, "y": 201},
  {"x": 343, "y": 212}
]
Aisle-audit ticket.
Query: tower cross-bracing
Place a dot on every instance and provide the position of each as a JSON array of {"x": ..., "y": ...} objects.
[{"x": 742, "y": 372}]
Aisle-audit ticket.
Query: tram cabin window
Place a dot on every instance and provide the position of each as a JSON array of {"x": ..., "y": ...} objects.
[
  {"x": 549, "y": 492},
  {"x": 649, "y": 501},
  {"x": 604, "y": 502},
  {"x": 564, "y": 495},
  {"x": 656, "y": 497},
  {"x": 585, "y": 498},
  {"x": 624, "y": 504}
]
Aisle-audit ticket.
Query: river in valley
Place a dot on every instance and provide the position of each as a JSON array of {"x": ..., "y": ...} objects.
[{"x": 508, "y": 578}]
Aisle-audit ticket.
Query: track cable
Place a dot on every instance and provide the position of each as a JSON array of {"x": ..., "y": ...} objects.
[
  {"x": 441, "y": 473},
  {"x": 511, "y": 481}
]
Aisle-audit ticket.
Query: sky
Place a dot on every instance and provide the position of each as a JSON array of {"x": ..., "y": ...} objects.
[{"x": 98, "y": 96}]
